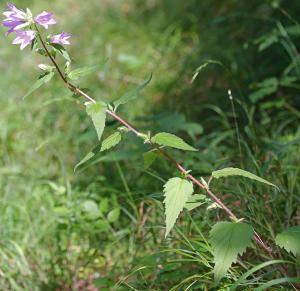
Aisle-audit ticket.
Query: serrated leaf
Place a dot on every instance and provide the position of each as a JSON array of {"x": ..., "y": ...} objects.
[
  {"x": 131, "y": 95},
  {"x": 177, "y": 191},
  {"x": 88, "y": 157},
  {"x": 289, "y": 239},
  {"x": 171, "y": 140},
  {"x": 228, "y": 240},
  {"x": 97, "y": 111},
  {"x": 238, "y": 172},
  {"x": 40, "y": 81},
  {"x": 149, "y": 159},
  {"x": 194, "y": 201},
  {"x": 111, "y": 141},
  {"x": 81, "y": 72}
]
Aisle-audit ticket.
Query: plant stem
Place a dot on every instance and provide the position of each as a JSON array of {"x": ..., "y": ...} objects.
[{"x": 78, "y": 91}]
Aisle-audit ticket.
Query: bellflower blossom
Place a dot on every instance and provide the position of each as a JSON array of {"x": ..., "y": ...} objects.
[
  {"x": 45, "y": 19},
  {"x": 61, "y": 38},
  {"x": 24, "y": 38},
  {"x": 15, "y": 18}
]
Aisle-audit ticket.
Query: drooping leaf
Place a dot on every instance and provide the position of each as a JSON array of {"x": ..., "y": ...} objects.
[
  {"x": 177, "y": 191},
  {"x": 111, "y": 141},
  {"x": 228, "y": 240},
  {"x": 149, "y": 158},
  {"x": 88, "y": 156},
  {"x": 195, "y": 201},
  {"x": 40, "y": 81},
  {"x": 61, "y": 50},
  {"x": 203, "y": 66},
  {"x": 289, "y": 239},
  {"x": 171, "y": 140},
  {"x": 238, "y": 172},
  {"x": 97, "y": 111},
  {"x": 84, "y": 71},
  {"x": 131, "y": 95}
]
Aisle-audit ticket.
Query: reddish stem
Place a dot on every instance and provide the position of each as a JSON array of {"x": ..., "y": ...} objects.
[{"x": 73, "y": 88}]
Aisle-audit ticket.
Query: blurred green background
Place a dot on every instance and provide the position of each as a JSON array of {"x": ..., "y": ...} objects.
[{"x": 102, "y": 228}]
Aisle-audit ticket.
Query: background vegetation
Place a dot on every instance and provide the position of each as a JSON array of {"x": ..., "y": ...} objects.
[{"x": 103, "y": 226}]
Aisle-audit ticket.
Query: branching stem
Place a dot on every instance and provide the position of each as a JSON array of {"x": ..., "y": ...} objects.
[{"x": 78, "y": 91}]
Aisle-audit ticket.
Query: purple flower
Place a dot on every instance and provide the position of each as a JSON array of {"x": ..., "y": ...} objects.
[
  {"x": 15, "y": 18},
  {"x": 61, "y": 38},
  {"x": 24, "y": 38},
  {"x": 45, "y": 19}
]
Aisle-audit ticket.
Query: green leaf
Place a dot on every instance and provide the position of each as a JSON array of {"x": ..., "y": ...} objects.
[
  {"x": 90, "y": 208},
  {"x": 87, "y": 157},
  {"x": 228, "y": 239},
  {"x": 97, "y": 111},
  {"x": 278, "y": 281},
  {"x": 238, "y": 172},
  {"x": 131, "y": 95},
  {"x": 268, "y": 41},
  {"x": 203, "y": 66},
  {"x": 61, "y": 50},
  {"x": 265, "y": 88},
  {"x": 243, "y": 278},
  {"x": 289, "y": 239},
  {"x": 111, "y": 141},
  {"x": 149, "y": 158},
  {"x": 171, "y": 140},
  {"x": 81, "y": 72},
  {"x": 103, "y": 205},
  {"x": 62, "y": 211},
  {"x": 113, "y": 215},
  {"x": 177, "y": 191},
  {"x": 195, "y": 201},
  {"x": 40, "y": 81}
]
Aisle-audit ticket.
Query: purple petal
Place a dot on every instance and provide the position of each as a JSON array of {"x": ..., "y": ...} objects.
[
  {"x": 61, "y": 38},
  {"x": 45, "y": 19},
  {"x": 24, "y": 38},
  {"x": 15, "y": 18},
  {"x": 17, "y": 12}
]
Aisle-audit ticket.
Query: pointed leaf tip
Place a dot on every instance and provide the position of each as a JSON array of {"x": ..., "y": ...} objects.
[
  {"x": 43, "y": 79},
  {"x": 111, "y": 141},
  {"x": 171, "y": 140},
  {"x": 239, "y": 172},
  {"x": 97, "y": 112},
  {"x": 289, "y": 239},
  {"x": 228, "y": 240},
  {"x": 177, "y": 191}
]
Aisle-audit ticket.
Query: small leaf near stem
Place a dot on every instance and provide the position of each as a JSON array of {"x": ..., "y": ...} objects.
[{"x": 97, "y": 112}]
